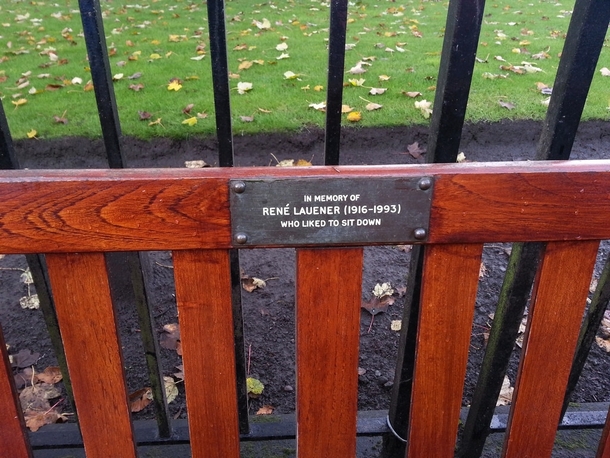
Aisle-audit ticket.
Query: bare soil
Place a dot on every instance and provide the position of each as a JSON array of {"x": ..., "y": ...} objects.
[{"x": 269, "y": 312}]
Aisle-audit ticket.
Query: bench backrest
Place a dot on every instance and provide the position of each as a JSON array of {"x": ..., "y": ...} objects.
[{"x": 74, "y": 217}]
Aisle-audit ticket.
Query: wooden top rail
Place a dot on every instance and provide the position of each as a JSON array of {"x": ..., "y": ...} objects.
[{"x": 46, "y": 211}]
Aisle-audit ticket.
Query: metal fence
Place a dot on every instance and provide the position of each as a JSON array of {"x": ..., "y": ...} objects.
[{"x": 583, "y": 44}]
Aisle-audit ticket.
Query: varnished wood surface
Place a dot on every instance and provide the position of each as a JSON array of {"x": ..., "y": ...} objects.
[
  {"x": 13, "y": 436},
  {"x": 203, "y": 295},
  {"x": 167, "y": 209},
  {"x": 328, "y": 329},
  {"x": 93, "y": 352},
  {"x": 451, "y": 276},
  {"x": 558, "y": 303}
]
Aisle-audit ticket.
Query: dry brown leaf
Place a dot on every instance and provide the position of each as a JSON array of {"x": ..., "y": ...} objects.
[
  {"x": 171, "y": 390},
  {"x": 144, "y": 115},
  {"x": 265, "y": 410},
  {"x": 138, "y": 400},
  {"x": 373, "y": 106},
  {"x": 24, "y": 358},
  {"x": 136, "y": 87},
  {"x": 252, "y": 283},
  {"x": 34, "y": 420},
  {"x": 412, "y": 94},
  {"x": 37, "y": 397},
  {"x": 180, "y": 373},
  {"x": 506, "y": 393},
  {"x": 377, "y": 305},
  {"x": 415, "y": 151},
  {"x": 51, "y": 375},
  {"x": 170, "y": 337},
  {"x": 604, "y": 344}
]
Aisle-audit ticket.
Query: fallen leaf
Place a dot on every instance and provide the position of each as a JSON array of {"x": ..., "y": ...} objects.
[
  {"x": 135, "y": 76},
  {"x": 190, "y": 121},
  {"x": 318, "y": 88},
  {"x": 265, "y": 410},
  {"x": 461, "y": 158},
  {"x": 32, "y": 133},
  {"x": 356, "y": 82},
  {"x": 396, "y": 325},
  {"x": 252, "y": 283},
  {"x": 383, "y": 289},
  {"x": 34, "y": 420},
  {"x": 384, "y": 78},
  {"x": 412, "y": 94},
  {"x": 24, "y": 358},
  {"x": 290, "y": 75},
  {"x": 170, "y": 336},
  {"x": 604, "y": 344},
  {"x": 354, "y": 116},
  {"x": 180, "y": 373},
  {"x": 19, "y": 102},
  {"x": 482, "y": 271},
  {"x": 136, "y": 87},
  {"x": 377, "y": 305},
  {"x": 30, "y": 302},
  {"x": 282, "y": 46},
  {"x": 171, "y": 390},
  {"x": 244, "y": 87},
  {"x": 424, "y": 107},
  {"x": 255, "y": 387},
  {"x": 318, "y": 106},
  {"x": 50, "y": 375},
  {"x": 246, "y": 118},
  {"x": 605, "y": 71},
  {"x": 156, "y": 122},
  {"x": 60, "y": 119},
  {"x": 138, "y": 400},
  {"x": 245, "y": 65},
  {"x": 302, "y": 163},
  {"x": 415, "y": 151},
  {"x": 506, "y": 393},
  {"x": 144, "y": 115},
  {"x": 117, "y": 77},
  {"x": 36, "y": 397},
  {"x": 346, "y": 109},
  {"x": 377, "y": 90},
  {"x": 507, "y": 105},
  {"x": 373, "y": 106},
  {"x": 196, "y": 164},
  {"x": 174, "y": 86}
]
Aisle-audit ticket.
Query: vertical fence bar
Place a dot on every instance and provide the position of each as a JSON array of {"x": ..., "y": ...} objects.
[
  {"x": 129, "y": 263},
  {"x": 220, "y": 79},
  {"x": 334, "y": 90},
  {"x": 224, "y": 134},
  {"x": 462, "y": 30},
  {"x": 592, "y": 322},
  {"x": 588, "y": 28},
  {"x": 36, "y": 264},
  {"x": 582, "y": 47},
  {"x": 91, "y": 16}
]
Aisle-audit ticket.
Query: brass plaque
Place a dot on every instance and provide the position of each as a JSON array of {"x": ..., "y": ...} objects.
[{"x": 330, "y": 211}]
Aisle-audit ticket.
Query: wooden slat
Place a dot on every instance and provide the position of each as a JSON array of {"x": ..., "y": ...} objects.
[
  {"x": 451, "y": 275},
  {"x": 328, "y": 329},
  {"x": 127, "y": 210},
  {"x": 558, "y": 303},
  {"x": 13, "y": 438},
  {"x": 603, "y": 450},
  {"x": 203, "y": 294},
  {"x": 93, "y": 352}
]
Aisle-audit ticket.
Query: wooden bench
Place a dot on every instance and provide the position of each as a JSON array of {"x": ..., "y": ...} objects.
[{"x": 74, "y": 217}]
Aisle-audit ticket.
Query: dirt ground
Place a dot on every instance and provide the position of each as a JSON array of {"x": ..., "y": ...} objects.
[{"x": 269, "y": 312}]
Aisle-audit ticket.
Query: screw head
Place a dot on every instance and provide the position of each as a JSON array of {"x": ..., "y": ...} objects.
[
  {"x": 240, "y": 238},
  {"x": 238, "y": 187},
  {"x": 420, "y": 233},
  {"x": 425, "y": 183}
]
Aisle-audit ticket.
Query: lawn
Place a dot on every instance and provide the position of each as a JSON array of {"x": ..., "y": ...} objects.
[{"x": 160, "y": 60}]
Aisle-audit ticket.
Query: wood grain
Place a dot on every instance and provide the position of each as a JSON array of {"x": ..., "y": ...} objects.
[
  {"x": 13, "y": 436},
  {"x": 558, "y": 303},
  {"x": 93, "y": 352},
  {"x": 177, "y": 209},
  {"x": 328, "y": 329},
  {"x": 450, "y": 280},
  {"x": 203, "y": 295}
]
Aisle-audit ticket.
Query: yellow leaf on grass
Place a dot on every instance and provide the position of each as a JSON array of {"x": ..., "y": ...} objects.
[
  {"x": 354, "y": 116},
  {"x": 190, "y": 121},
  {"x": 32, "y": 133},
  {"x": 155, "y": 56},
  {"x": 19, "y": 102},
  {"x": 318, "y": 88},
  {"x": 174, "y": 86}
]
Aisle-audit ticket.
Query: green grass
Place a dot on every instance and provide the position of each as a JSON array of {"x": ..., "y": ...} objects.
[{"x": 515, "y": 30}]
